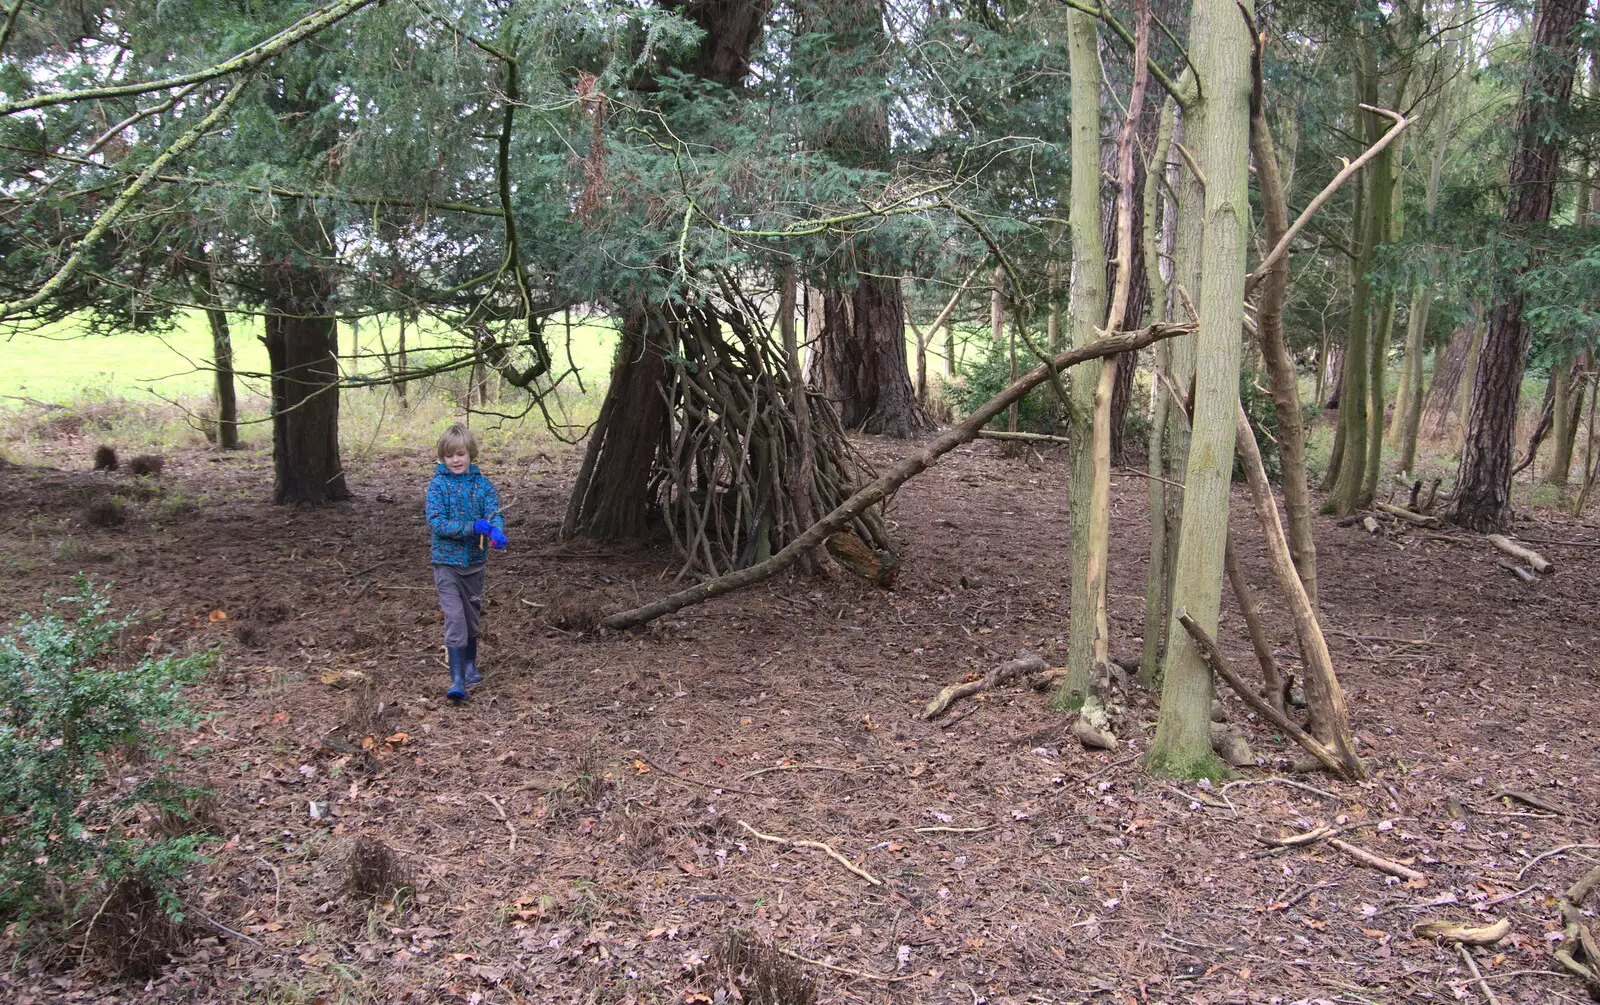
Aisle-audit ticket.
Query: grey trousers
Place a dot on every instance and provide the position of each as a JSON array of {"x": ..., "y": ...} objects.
[{"x": 461, "y": 600}]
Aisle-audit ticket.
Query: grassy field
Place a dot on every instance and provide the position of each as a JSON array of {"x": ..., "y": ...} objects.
[{"x": 58, "y": 362}]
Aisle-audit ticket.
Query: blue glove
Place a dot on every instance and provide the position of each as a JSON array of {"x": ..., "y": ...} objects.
[
  {"x": 482, "y": 527},
  {"x": 497, "y": 537}
]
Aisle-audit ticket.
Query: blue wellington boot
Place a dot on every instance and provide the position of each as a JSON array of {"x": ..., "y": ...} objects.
[
  {"x": 458, "y": 674},
  {"x": 473, "y": 677}
]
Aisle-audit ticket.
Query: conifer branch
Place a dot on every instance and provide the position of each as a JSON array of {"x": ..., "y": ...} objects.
[
  {"x": 246, "y": 60},
  {"x": 181, "y": 146},
  {"x": 11, "y": 22}
]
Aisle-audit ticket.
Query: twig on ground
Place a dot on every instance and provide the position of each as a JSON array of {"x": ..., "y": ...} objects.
[
  {"x": 1555, "y": 851},
  {"x": 1284, "y": 781},
  {"x": 953, "y": 830},
  {"x": 846, "y": 970},
  {"x": 1378, "y": 862},
  {"x": 219, "y": 926},
  {"x": 820, "y": 846},
  {"x": 277, "y": 887},
  {"x": 999, "y": 675},
  {"x": 714, "y": 786},
  {"x": 1529, "y": 799},
  {"x": 498, "y": 808},
  {"x": 1482, "y": 984},
  {"x": 794, "y": 767}
]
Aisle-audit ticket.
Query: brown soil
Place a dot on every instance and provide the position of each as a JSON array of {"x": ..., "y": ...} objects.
[{"x": 576, "y": 832}]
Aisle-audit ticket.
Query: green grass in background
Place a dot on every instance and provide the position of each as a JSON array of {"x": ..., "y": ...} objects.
[{"x": 56, "y": 362}]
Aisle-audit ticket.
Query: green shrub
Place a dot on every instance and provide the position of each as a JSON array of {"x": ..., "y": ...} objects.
[
  {"x": 989, "y": 374},
  {"x": 76, "y": 706}
]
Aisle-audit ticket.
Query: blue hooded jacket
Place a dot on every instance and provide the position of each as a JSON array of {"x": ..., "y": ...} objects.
[{"x": 454, "y": 503}]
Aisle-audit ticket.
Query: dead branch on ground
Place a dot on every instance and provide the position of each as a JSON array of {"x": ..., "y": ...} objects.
[
  {"x": 820, "y": 846},
  {"x": 999, "y": 675},
  {"x": 1537, "y": 562},
  {"x": 1577, "y": 940}
]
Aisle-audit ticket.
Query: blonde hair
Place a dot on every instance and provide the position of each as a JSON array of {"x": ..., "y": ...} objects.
[{"x": 456, "y": 439}]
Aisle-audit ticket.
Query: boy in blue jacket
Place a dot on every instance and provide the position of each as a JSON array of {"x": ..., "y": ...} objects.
[{"x": 463, "y": 513}]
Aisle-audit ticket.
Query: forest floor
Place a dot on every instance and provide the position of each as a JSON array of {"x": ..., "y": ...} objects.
[{"x": 578, "y": 831}]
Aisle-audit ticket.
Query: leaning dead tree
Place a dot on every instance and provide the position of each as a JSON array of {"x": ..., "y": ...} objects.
[
  {"x": 733, "y": 470},
  {"x": 873, "y": 493}
]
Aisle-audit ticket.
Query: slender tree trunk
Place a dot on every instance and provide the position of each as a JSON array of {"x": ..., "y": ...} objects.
[
  {"x": 400, "y": 365},
  {"x": 803, "y": 457},
  {"x": 1351, "y": 462},
  {"x": 1274, "y": 288},
  {"x": 1220, "y": 47},
  {"x": 1088, "y": 308},
  {"x": 222, "y": 360},
  {"x": 997, "y": 327},
  {"x": 1155, "y": 595},
  {"x": 1560, "y": 433},
  {"x": 1482, "y": 500},
  {"x": 1567, "y": 421},
  {"x": 1377, "y": 399},
  {"x": 1410, "y": 401}
]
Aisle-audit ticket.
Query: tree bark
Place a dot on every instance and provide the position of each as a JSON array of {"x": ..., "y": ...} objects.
[
  {"x": 1220, "y": 47},
  {"x": 1274, "y": 288},
  {"x": 861, "y": 359},
  {"x": 1088, "y": 308},
  {"x": 1482, "y": 500},
  {"x": 222, "y": 360},
  {"x": 611, "y": 498},
  {"x": 303, "y": 354},
  {"x": 1155, "y": 595},
  {"x": 1449, "y": 368},
  {"x": 1567, "y": 379}
]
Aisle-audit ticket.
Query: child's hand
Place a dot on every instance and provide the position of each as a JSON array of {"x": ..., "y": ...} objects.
[
  {"x": 482, "y": 527},
  {"x": 497, "y": 537}
]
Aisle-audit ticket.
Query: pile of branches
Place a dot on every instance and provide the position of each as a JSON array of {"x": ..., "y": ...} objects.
[{"x": 752, "y": 457}]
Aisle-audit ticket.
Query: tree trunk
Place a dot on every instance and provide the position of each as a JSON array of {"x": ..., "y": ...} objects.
[
  {"x": 1449, "y": 367},
  {"x": 1274, "y": 288},
  {"x": 1410, "y": 400},
  {"x": 1348, "y": 466},
  {"x": 400, "y": 365},
  {"x": 1155, "y": 592},
  {"x": 1482, "y": 499},
  {"x": 303, "y": 355},
  {"x": 1088, "y": 307},
  {"x": 1220, "y": 47},
  {"x": 611, "y": 498},
  {"x": 1568, "y": 389},
  {"x": 222, "y": 359},
  {"x": 860, "y": 363}
]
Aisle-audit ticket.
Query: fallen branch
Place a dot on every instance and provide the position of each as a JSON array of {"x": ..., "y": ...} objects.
[
  {"x": 912, "y": 465},
  {"x": 1208, "y": 649},
  {"x": 1537, "y": 562},
  {"x": 1378, "y": 862},
  {"x": 1529, "y": 799},
  {"x": 1483, "y": 985},
  {"x": 498, "y": 808},
  {"x": 999, "y": 675},
  {"x": 1002, "y": 434},
  {"x": 1577, "y": 940},
  {"x": 1555, "y": 851},
  {"x": 846, "y": 970},
  {"x": 820, "y": 846},
  {"x": 953, "y": 830},
  {"x": 1518, "y": 571},
  {"x": 794, "y": 767},
  {"x": 1455, "y": 931},
  {"x": 1418, "y": 519}
]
